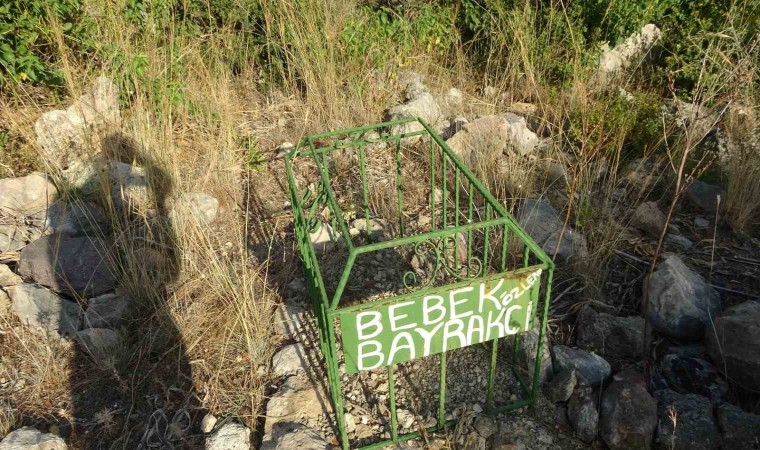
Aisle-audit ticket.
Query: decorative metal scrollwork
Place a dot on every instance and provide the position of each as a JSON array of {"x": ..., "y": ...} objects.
[{"x": 441, "y": 258}]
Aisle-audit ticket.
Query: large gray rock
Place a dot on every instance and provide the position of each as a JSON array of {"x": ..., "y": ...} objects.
[
  {"x": 692, "y": 375},
  {"x": 26, "y": 195},
  {"x": 590, "y": 365},
  {"x": 648, "y": 218},
  {"x": 608, "y": 335},
  {"x": 542, "y": 222},
  {"x": 486, "y": 139},
  {"x": 628, "y": 413},
  {"x": 28, "y": 438},
  {"x": 230, "y": 436},
  {"x": 106, "y": 311},
  {"x": 419, "y": 103},
  {"x": 292, "y": 436},
  {"x": 75, "y": 218},
  {"x": 681, "y": 302},
  {"x": 38, "y": 307},
  {"x": 706, "y": 197},
  {"x": 70, "y": 136},
  {"x": 583, "y": 415},
  {"x": 101, "y": 343},
  {"x": 69, "y": 264},
  {"x": 686, "y": 422},
  {"x": 740, "y": 429},
  {"x": 734, "y": 344}
]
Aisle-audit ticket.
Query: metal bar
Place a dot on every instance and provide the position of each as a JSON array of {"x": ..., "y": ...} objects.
[
  {"x": 408, "y": 437},
  {"x": 427, "y": 236},
  {"x": 492, "y": 375},
  {"x": 432, "y": 184},
  {"x": 542, "y": 334},
  {"x": 444, "y": 192},
  {"x": 365, "y": 187},
  {"x": 487, "y": 195},
  {"x": 486, "y": 233},
  {"x": 333, "y": 203},
  {"x": 469, "y": 222},
  {"x": 456, "y": 219},
  {"x": 442, "y": 392},
  {"x": 399, "y": 189},
  {"x": 343, "y": 279},
  {"x": 392, "y": 400}
]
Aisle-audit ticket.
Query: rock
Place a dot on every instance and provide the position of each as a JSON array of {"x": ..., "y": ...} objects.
[
  {"x": 419, "y": 103},
  {"x": 490, "y": 92},
  {"x": 526, "y": 355},
  {"x": 284, "y": 149},
  {"x": 101, "y": 343},
  {"x": 560, "y": 416},
  {"x": 524, "y": 433},
  {"x": 296, "y": 398},
  {"x": 73, "y": 135},
  {"x": 27, "y": 195},
  {"x": 681, "y": 302},
  {"x": 572, "y": 247},
  {"x": 75, "y": 218},
  {"x": 452, "y": 100},
  {"x": 350, "y": 422},
  {"x": 199, "y": 206},
  {"x": 208, "y": 423},
  {"x": 678, "y": 241},
  {"x": 323, "y": 238},
  {"x": 129, "y": 184},
  {"x": 405, "y": 419},
  {"x": 692, "y": 375},
  {"x": 290, "y": 360},
  {"x": 561, "y": 386},
  {"x": 375, "y": 225},
  {"x": 69, "y": 264},
  {"x": 289, "y": 320},
  {"x": 628, "y": 413},
  {"x": 483, "y": 141},
  {"x": 649, "y": 219},
  {"x": 105, "y": 311},
  {"x": 230, "y": 436},
  {"x": 485, "y": 426},
  {"x": 701, "y": 222},
  {"x": 292, "y": 436},
  {"x": 36, "y": 306},
  {"x": 581, "y": 410},
  {"x": 705, "y": 196},
  {"x": 539, "y": 219},
  {"x": 615, "y": 61},
  {"x": 740, "y": 429},
  {"x": 590, "y": 365},
  {"x": 7, "y": 277},
  {"x": 608, "y": 335},
  {"x": 734, "y": 344},
  {"x": 555, "y": 173},
  {"x": 686, "y": 422},
  {"x": 13, "y": 237},
  {"x": 28, "y": 438},
  {"x": 5, "y": 303}
]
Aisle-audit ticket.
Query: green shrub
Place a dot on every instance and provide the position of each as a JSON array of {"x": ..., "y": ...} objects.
[{"x": 27, "y": 49}]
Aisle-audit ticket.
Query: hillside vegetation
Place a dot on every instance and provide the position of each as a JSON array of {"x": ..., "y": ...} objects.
[{"x": 208, "y": 89}]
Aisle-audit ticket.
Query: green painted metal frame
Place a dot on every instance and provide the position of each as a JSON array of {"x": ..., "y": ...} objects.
[{"x": 326, "y": 309}]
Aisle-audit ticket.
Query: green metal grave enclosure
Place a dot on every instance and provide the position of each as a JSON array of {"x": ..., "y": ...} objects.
[{"x": 465, "y": 219}]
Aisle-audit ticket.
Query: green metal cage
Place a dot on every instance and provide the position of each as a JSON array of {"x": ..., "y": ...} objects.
[{"x": 442, "y": 226}]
